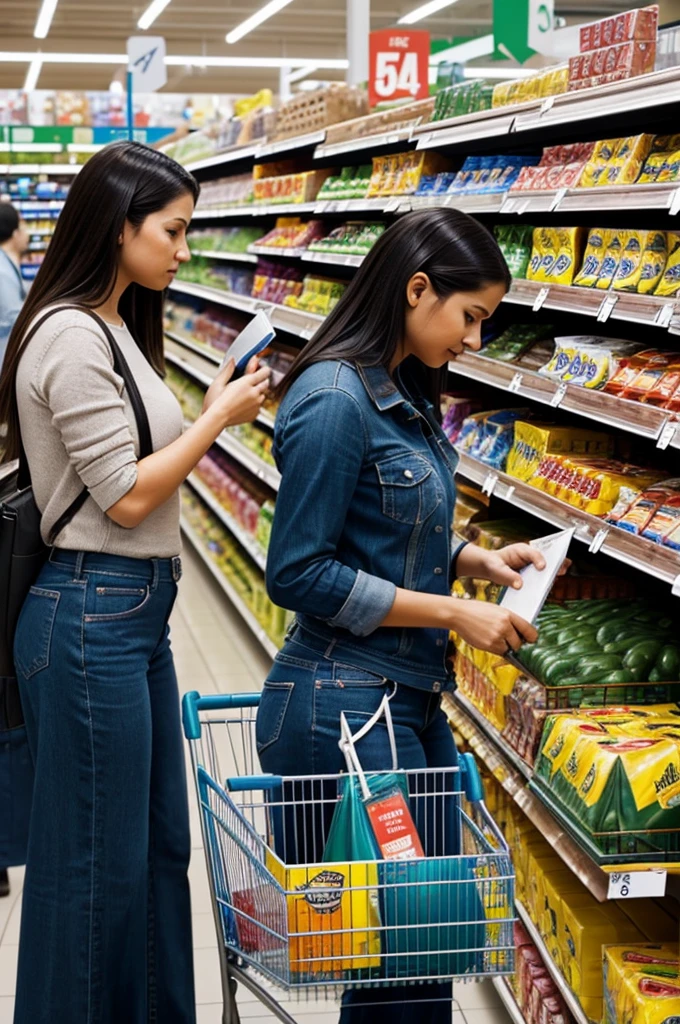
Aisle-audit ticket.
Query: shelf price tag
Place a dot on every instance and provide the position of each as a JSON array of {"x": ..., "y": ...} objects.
[
  {"x": 666, "y": 436},
  {"x": 628, "y": 885},
  {"x": 489, "y": 485},
  {"x": 539, "y": 301},
  {"x": 674, "y": 204},
  {"x": 516, "y": 383},
  {"x": 557, "y": 199},
  {"x": 509, "y": 206},
  {"x": 605, "y": 310},
  {"x": 548, "y": 104},
  {"x": 558, "y": 397},
  {"x": 597, "y": 541},
  {"x": 398, "y": 65},
  {"x": 675, "y": 589},
  {"x": 664, "y": 314}
]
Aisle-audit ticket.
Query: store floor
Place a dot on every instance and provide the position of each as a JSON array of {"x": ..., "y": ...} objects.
[{"x": 214, "y": 653}]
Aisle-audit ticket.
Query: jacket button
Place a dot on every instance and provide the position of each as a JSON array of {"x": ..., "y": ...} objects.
[
  {"x": 440, "y": 643},
  {"x": 439, "y": 529},
  {"x": 408, "y": 474},
  {"x": 438, "y": 571},
  {"x": 436, "y": 687}
]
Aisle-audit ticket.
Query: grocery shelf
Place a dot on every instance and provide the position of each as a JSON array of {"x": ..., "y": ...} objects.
[
  {"x": 597, "y": 103},
  {"x": 283, "y": 318},
  {"x": 337, "y": 259},
  {"x": 650, "y": 310},
  {"x": 236, "y": 257},
  {"x": 224, "y": 584},
  {"x": 507, "y": 997},
  {"x": 354, "y": 205},
  {"x": 262, "y": 470},
  {"x": 388, "y": 138},
  {"x": 595, "y": 200},
  {"x": 495, "y": 756},
  {"x": 192, "y": 346},
  {"x": 491, "y": 732},
  {"x": 223, "y": 298},
  {"x": 189, "y": 368},
  {"x": 225, "y": 157},
  {"x": 641, "y": 554},
  {"x": 306, "y": 141},
  {"x": 635, "y": 417},
  {"x": 245, "y": 539},
  {"x": 272, "y": 251},
  {"x": 53, "y": 169},
  {"x": 219, "y": 212},
  {"x": 570, "y": 999},
  {"x": 491, "y": 203}
]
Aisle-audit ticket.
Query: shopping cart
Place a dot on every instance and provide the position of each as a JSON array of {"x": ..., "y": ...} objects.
[{"x": 285, "y": 916}]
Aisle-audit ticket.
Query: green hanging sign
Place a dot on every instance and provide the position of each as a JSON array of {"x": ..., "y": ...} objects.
[{"x": 522, "y": 28}]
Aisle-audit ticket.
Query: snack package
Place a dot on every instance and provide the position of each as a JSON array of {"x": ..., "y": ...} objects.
[
  {"x": 639, "y": 24},
  {"x": 625, "y": 167},
  {"x": 612, "y": 258},
  {"x": 569, "y": 246},
  {"x": 642, "y": 509},
  {"x": 641, "y": 984},
  {"x": 630, "y": 368},
  {"x": 670, "y": 280},
  {"x": 543, "y": 254},
  {"x": 642, "y": 262},
  {"x": 588, "y": 361},
  {"x": 648, "y": 380},
  {"x": 595, "y": 171},
  {"x": 533, "y": 441},
  {"x": 593, "y": 257}
]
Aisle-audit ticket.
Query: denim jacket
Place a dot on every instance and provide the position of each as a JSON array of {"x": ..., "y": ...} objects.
[{"x": 365, "y": 506}]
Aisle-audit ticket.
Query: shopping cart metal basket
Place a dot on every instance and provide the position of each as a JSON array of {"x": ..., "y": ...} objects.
[{"x": 286, "y": 916}]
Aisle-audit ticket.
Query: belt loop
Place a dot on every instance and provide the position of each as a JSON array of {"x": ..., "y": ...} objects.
[
  {"x": 329, "y": 650},
  {"x": 78, "y": 569},
  {"x": 176, "y": 563},
  {"x": 155, "y": 576}
]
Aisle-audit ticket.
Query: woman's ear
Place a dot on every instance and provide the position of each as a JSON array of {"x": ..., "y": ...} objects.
[{"x": 416, "y": 288}]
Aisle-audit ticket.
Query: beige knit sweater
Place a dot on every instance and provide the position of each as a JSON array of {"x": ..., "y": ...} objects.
[{"x": 79, "y": 429}]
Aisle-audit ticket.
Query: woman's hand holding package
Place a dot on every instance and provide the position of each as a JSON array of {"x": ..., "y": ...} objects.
[
  {"x": 503, "y": 566},
  {"x": 238, "y": 401}
]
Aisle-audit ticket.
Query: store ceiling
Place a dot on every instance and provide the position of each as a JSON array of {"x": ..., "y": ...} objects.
[{"x": 305, "y": 28}]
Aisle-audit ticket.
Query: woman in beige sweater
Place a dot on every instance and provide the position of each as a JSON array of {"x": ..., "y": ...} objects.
[{"x": 106, "y": 922}]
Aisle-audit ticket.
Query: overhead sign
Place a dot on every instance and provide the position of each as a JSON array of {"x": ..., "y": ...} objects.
[
  {"x": 523, "y": 27},
  {"x": 146, "y": 62},
  {"x": 398, "y": 65}
]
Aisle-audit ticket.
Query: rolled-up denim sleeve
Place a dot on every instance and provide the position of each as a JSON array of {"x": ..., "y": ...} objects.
[
  {"x": 320, "y": 452},
  {"x": 453, "y": 572}
]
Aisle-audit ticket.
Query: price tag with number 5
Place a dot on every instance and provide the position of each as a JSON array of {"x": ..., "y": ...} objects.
[{"x": 399, "y": 65}]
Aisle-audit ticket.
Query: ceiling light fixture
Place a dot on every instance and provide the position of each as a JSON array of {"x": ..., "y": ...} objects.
[
  {"x": 266, "y": 12},
  {"x": 33, "y": 74},
  {"x": 425, "y": 10},
  {"x": 42, "y": 25},
  {"x": 297, "y": 76},
  {"x": 151, "y": 13},
  {"x": 25, "y": 57}
]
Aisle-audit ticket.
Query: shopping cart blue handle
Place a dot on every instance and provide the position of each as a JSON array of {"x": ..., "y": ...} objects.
[
  {"x": 470, "y": 777},
  {"x": 192, "y": 703},
  {"x": 242, "y": 783}
]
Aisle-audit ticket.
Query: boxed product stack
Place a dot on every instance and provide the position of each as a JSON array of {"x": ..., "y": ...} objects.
[
  {"x": 551, "y": 82},
  {"x": 615, "y": 48},
  {"x": 641, "y": 984},
  {"x": 291, "y": 233},
  {"x": 311, "y": 111}
]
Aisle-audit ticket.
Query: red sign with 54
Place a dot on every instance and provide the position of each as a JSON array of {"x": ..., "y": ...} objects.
[{"x": 399, "y": 65}]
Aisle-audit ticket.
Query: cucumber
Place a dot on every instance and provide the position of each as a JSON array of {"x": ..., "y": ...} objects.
[
  {"x": 558, "y": 669},
  {"x": 656, "y": 676},
  {"x": 583, "y": 647},
  {"x": 592, "y": 669},
  {"x": 623, "y": 646},
  {"x": 667, "y": 664},
  {"x": 607, "y": 633},
  {"x": 621, "y": 675},
  {"x": 641, "y": 657}
]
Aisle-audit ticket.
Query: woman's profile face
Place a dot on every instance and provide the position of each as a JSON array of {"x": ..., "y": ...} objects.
[
  {"x": 151, "y": 254},
  {"x": 439, "y": 330}
]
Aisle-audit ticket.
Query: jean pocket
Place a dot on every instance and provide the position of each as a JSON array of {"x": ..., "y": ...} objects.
[
  {"x": 408, "y": 487},
  {"x": 108, "y": 604},
  {"x": 33, "y": 639},
  {"x": 271, "y": 713}
]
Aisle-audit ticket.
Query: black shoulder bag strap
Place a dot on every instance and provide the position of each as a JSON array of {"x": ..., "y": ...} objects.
[{"x": 121, "y": 367}]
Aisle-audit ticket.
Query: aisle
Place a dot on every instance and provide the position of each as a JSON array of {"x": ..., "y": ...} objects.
[{"x": 214, "y": 653}]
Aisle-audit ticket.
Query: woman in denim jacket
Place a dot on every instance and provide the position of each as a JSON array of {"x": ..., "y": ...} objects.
[{"x": 361, "y": 546}]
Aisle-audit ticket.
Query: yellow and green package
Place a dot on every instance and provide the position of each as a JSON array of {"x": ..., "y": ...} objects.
[
  {"x": 644, "y": 253},
  {"x": 670, "y": 280},
  {"x": 381, "y": 165},
  {"x": 625, "y": 167},
  {"x": 535, "y": 440},
  {"x": 558, "y": 887},
  {"x": 543, "y": 254},
  {"x": 588, "y": 926},
  {"x": 596, "y": 249},
  {"x": 641, "y": 984},
  {"x": 569, "y": 245},
  {"x": 652, "y": 168},
  {"x": 612, "y": 258},
  {"x": 595, "y": 171},
  {"x": 333, "y": 916}
]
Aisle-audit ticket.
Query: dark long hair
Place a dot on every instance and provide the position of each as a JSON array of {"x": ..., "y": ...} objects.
[
  {"x": 126, "y": 181},
  {"x": 456, "y": 252}
]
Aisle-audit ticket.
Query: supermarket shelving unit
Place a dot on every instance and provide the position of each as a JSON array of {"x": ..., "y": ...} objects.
[{"x": 602, "y": 112}]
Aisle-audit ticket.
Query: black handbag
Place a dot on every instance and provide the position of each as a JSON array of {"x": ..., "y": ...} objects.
[{"x": 22, "y": 555}]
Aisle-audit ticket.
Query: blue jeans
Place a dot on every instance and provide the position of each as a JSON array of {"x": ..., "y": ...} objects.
[
  {"x": 297, "y": 733},
  {"x": 106, "y": 919}
]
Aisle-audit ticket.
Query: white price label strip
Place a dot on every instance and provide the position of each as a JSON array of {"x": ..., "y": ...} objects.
[
  {"x": 605, "y": 310},
  {"x": 516, "y": 383},
  {"x": 674, "y": 205},
  {"x": 558, "y": 397},
  {"x": 666, "y": 436},
  {"x": 597, "y": 541},
  {"x": 489, "y": 485},
  {"x": 540, "y": 299},
  {"x": 665, "y": 315},
  {"x": 557, "y": 200},
  {"x": 630, "y": 885}
]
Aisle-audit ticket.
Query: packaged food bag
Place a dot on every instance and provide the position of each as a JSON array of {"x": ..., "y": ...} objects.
[
  {"x": 644, "y": 256},
  {"x": 641, "y": 984},
  {"x": 612, "y": 258},
  {"x": 593, "y": 257},
  {"x": 670, "y": 281}
]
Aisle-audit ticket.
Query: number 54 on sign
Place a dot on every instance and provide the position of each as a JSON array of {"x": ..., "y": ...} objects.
[{"x": 399, "y": 65}]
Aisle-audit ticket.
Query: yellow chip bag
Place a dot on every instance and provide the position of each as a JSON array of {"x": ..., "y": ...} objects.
[
  {"x": 610, "y": 264},
  {"x": 596, "y": 248},
  {"x": 670, "y": 280},
  {"x": 543, "y": 254},
  {"x": 640, "y": 251},
  {"x": 625, "y": 167},
  {"x": 569, "y": 245}
]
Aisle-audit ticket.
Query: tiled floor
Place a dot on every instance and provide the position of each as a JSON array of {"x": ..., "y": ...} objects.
[{"x": 214, "y": 653}]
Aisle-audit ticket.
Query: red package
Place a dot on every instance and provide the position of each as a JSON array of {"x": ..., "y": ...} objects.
[
  {"x": 393, "y": 826},
  {"x": 571, "y": 174},
  {"x": 540, "y": 181},
  {"x": 637, "y": 25},
  {"x": 552, "y": 176},
  {"x": 525, "y": 180}
]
